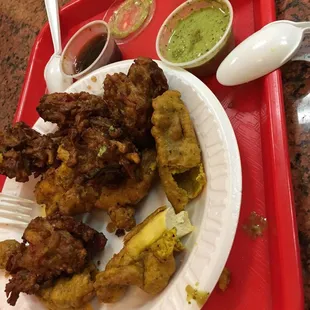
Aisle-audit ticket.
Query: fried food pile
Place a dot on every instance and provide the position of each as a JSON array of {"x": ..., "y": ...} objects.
[
  {"x": 146, "y": 260},
  {"x": 102, "y": 154},
  {"x": 178, "y": 153},
  {"x": 52, "y": 247}
]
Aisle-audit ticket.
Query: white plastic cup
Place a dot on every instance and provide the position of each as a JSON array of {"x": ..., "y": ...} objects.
[{"x": 110, "y": 52}]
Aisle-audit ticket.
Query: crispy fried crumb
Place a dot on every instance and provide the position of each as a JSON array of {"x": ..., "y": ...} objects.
[
  {"x": 224, "y": 279},
  {"x": 120, "y": 232}
]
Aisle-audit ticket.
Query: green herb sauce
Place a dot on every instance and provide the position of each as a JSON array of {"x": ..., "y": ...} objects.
[{"x": 197, "y": 33}]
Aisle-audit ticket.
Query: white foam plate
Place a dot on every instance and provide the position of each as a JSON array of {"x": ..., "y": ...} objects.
[{"x": 214, "y": 213}]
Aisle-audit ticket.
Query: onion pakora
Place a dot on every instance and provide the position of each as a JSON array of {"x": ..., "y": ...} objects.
[
  {"x": 24, "y": 152},
  {"x": 129, "y": 98},
  {"x": 52, "y": 247},
  {"x": 178, "y": 153}
]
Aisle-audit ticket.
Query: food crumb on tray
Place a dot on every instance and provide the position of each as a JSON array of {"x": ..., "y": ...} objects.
[
  {"x": 255, "y": 225},
  {"x": 224, "y": 279}
]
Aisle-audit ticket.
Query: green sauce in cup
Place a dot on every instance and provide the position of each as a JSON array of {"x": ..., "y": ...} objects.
[{"x": 197, "y": 33}]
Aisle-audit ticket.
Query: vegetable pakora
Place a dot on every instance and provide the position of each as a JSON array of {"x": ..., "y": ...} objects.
[{"x": 178, "y": 152}]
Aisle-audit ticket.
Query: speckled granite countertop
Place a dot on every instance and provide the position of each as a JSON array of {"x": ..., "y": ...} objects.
[
  {"x": 20, "y": 22},
  {"x": 296, "y": 82}
]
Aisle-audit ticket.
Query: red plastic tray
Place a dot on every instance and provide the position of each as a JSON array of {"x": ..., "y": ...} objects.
[{"x": 266, "y": 272}]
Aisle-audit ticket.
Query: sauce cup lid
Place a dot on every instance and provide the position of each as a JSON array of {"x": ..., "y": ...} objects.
[
  {"x": 206, "y": 56},
  {"x": 78, "y": 41}
]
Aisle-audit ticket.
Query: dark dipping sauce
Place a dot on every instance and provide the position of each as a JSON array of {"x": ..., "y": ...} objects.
[{"x": 90, "y": 52}]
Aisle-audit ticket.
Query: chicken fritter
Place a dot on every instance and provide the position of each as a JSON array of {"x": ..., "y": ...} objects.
[
  {"x": 23, "y": 151},
  {"x": 178, "y": 152},
  {"x": 150, "y": 269},
  {"x": 65, "y": 190},
  {"x": 70, "y": 293},
  {"x": 147, "y": 258},
  {"x": 7, "y": 248},
  {"x": 89, "y": 162},
  {"x": 59, "y": 193},
  {"x": 129, "y": 97},
  {"x": 119, "y": 200},
  {"x": 133, "y": 190},
  {"x": 52, "y": 247}
]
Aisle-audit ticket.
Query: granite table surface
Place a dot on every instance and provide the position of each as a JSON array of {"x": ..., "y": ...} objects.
[{"x": 21, "y": 21}]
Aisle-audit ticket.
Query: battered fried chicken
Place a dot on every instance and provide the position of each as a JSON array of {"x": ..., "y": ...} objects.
[
  {"x": 147, "y": 260},
  {"x": 178, "y": 153},
  {"x": 86, "y": 170},
  {"x": 119, "y": 200},
  {"x": 52, "y": 247},
  {"x": 24, "y": 151},
  {"x": 70, "y": 293},
  {"x": 129, "y": 97}
]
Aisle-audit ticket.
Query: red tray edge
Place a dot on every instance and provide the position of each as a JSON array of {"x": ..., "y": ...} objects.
[
  {"x": 288, "y": 246},
  {"x": 292, "y": 295}
]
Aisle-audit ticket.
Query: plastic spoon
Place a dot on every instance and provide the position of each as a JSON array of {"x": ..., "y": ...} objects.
[
  {"x": 263, "y": 52},
  {"x": 55, "y": 80}
]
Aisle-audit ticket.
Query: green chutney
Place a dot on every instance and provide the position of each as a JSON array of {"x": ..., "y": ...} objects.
[{"x": 197, "y": 33}]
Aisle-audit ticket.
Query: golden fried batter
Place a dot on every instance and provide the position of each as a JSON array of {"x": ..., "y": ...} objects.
[
  {"x": 224, "y": 279},
  {"x": 150, "y": 270},
  {"x": 7, "y": 248},
  {"x": 70, "y": 293},
  {"x": 58, "y": 192},
  {"x": 146, "y": 261},
  {"x": 178, "y": 152},
  {"x": 132, "y": 190},
  {"x": 120, "y": 201}
]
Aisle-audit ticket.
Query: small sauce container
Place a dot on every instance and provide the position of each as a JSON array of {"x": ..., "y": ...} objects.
[
  {"x": 90, "y": 48},
  {"x": 206, "y": 63}
]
